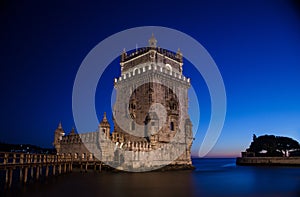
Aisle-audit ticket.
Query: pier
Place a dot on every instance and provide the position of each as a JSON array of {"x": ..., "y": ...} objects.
[
  {"x": 36, "y": 165},
  {"x": 268, "y": 161}
]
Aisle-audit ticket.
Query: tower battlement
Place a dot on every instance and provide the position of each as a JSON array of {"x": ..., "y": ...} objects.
[{"x": 147, "y": 68}]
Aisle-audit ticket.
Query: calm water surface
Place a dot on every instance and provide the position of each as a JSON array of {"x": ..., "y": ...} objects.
[{"x": 212, "y": 177}]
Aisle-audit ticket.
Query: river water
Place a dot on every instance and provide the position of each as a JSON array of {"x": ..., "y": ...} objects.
[{"x": 212, "y": 177}]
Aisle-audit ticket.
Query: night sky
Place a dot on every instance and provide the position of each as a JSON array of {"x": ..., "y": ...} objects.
[{"x": 255, "y": 44}]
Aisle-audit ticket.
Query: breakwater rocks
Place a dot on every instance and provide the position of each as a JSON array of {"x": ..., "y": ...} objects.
[{"x": 268, "y": 161}]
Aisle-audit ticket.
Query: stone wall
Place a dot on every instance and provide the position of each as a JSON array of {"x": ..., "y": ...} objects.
[{"x": 285, "y": 161}]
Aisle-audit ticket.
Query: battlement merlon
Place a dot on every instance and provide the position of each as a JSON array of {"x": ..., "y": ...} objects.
[
  {"x": 159, "y": 70},
  {"x": 152, "y": 54}
]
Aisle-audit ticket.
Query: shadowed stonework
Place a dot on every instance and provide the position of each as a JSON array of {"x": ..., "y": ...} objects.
[{"x": 152, "y": 127}]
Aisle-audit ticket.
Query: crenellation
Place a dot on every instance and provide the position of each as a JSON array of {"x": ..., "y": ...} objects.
[{"x": 152, "y": 69}]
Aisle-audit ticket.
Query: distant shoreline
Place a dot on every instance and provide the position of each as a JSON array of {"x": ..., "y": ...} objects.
[{"x": 268, "y": 161}]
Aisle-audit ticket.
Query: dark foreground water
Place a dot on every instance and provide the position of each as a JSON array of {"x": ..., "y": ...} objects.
[{"x": 212, "y": 177}]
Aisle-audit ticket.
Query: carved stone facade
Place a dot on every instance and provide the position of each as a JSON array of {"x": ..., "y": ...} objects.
[{"x": 152, "y": 127}]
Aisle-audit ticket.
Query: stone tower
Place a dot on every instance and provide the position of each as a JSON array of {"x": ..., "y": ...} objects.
[
  {"x": 152, "y": 127},
  {"x": 104, "y": 127},
  {"x": 152, "y": 100},
  {"x": 58, "y": 134}
]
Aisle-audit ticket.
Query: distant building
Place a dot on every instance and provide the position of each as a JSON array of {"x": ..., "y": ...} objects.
[{"x": 149, "y": 76}]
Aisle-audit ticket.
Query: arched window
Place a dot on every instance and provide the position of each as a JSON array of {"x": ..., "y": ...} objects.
[
  {"x": 131, "y": 106},
  {"x": 136, "y": 71},
  {"x": 172, "y": 126}
]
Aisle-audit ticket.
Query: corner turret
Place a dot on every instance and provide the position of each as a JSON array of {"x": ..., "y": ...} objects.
[
  {"x": 104, "y": 126},
  {"x": 152, "y": 41},
  {"x": 58, "y": 134},
  {"x": 72, "y": 131}
]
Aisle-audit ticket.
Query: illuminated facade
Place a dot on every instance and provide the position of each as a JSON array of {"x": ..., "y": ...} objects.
[{"x": 152, "y": 127}]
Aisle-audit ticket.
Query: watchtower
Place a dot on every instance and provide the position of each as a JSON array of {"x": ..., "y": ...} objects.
[{"x": 152, "y": 77}]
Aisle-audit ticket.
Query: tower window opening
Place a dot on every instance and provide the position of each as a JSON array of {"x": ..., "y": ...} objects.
[
  {"x": 172, "y": 126},
  {"x": 132, "y": 106},
  {"x": 132, "y": 116},
  {"x": 132, "y": 126}
]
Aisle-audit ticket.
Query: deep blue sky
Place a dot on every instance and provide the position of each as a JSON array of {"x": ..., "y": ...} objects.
[{"x": 256, "y": 45}]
